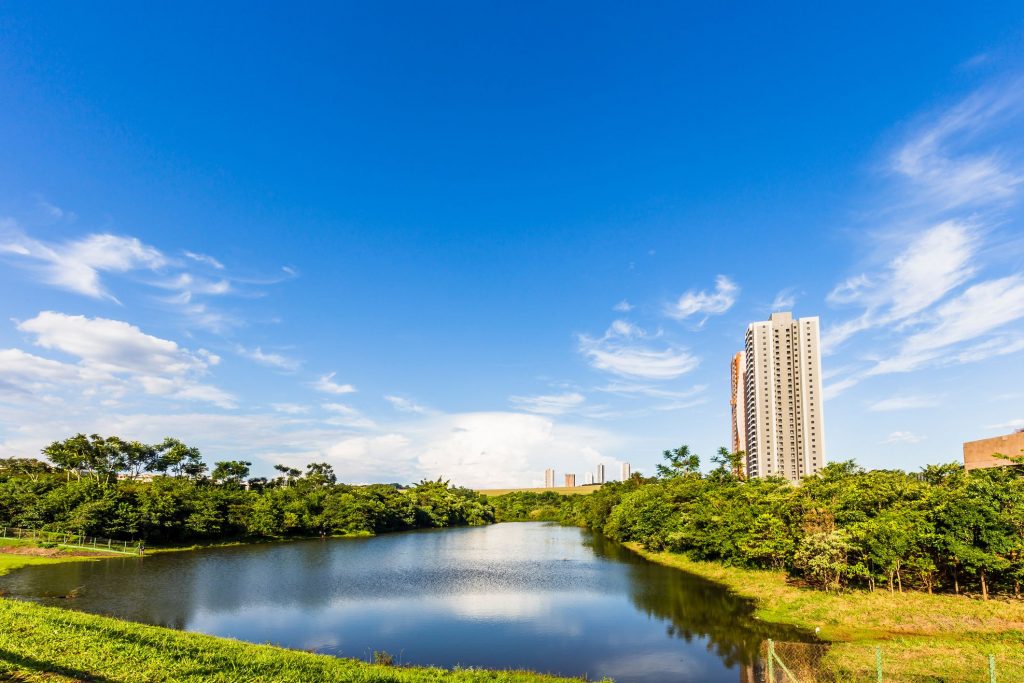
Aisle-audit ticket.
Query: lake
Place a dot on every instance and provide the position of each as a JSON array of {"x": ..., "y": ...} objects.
[{"x": 519, "y": 595}]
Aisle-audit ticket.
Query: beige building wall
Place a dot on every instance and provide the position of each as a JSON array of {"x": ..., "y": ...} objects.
[
  {"x": 785, "y": 427},
  {"x": 981, "y": 453}
]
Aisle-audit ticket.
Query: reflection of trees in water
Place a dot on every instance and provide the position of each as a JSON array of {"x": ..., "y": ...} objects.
[{"x": 696, "y": 607}]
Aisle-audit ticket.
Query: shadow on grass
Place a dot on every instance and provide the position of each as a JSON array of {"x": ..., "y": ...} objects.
[{"x": 37, "y": 665}]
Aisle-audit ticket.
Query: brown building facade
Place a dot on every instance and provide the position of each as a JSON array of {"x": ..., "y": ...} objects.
[
  {"x": 570, "y": 480},
  {"x": 981, "y": 453}
]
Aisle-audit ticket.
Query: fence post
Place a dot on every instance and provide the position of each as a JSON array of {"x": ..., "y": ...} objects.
[
  {"x": 991, "y": 669},
  {"x": 771, "y": 660},
  {"x": 878, "y": 662}
]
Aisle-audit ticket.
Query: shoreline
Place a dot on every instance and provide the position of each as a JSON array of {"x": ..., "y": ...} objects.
[{"x": 922, "y": 636}]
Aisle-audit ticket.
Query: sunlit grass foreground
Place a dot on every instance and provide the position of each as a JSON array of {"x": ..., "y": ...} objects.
[{"x": 49, "y": 644}]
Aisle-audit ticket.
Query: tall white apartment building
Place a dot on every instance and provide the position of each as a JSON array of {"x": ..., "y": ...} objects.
[
  {"x": 549, "y": 478},
  {"x": 600, "y": 474},
  {"x": 785, "y": 434},
  {"x": 625, "y": 471}
]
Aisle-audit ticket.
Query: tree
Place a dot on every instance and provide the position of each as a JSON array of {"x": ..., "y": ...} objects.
[
  {"x": 678, "y": 462},
  {"x": 179, "y": 459},
  {"x": 768, "y": 544},
  {"x": 321, "y": 473},
  {"x": 824, "y": 558},
  {"x": 139, "y": 457},
  {"x": 231, "y": 471},
  {"x": 731, "y": 462},
  {"x": 290, "y": 473}
]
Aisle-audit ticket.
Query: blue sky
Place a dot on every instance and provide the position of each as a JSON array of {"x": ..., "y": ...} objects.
[{"x": 475, "y": 240}]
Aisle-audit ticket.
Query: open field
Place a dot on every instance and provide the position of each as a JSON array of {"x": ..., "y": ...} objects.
[
  {"x": 49, "y": 644},
  {"x": 564, "y": 490},
  {"x": 922, "y": 636}
]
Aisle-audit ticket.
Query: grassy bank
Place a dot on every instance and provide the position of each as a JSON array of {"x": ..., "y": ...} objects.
[
  {"x": 11, "y": 556},
  {"x": 582, "y": 490},
  {"x": 49, "y": 644},
  {"x": 923, "y": 637}
]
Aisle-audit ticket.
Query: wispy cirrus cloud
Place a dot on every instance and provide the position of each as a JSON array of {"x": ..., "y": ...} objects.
[
  {"x": 944, "y": 162},
  {"x": 903, "y": 437},
  {"x": 347, "y": 416},
  {"x": 932, "y": 264},
  {"x": 204, "y": 258},
  {"x": 327, "y": 385},
  {"x": 406, "y": 405},
  {"x": 269, "y": 359},
  {"x": 550, "y": 404},
  {"x": 936, "y": 300},
  {"x": 905, "y": 403},
  {"x": 629, "y": 351},
  {"x": 77, "y": 265},
  {"x": 785, "y": 300},
  {"x": 703, "y": 302},
  {"x": 86, "y": 265}
]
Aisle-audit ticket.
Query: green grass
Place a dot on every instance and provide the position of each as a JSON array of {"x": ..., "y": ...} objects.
[
  {"x": 9, "y": 562},
  {"x": 49, "y": 644},
  {"x": 923, "y": 637}
]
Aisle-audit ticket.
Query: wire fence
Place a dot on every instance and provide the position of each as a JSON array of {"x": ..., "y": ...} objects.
[
  {"x": 68, "y": 540},
  {"x": 818, "y": 663}
]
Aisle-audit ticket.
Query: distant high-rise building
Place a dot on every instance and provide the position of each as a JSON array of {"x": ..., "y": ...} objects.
[
  {"x": 589, "y": 479},
  {"x": 738, "y": 368},
  {"x": 549, "y": 478},
  {"x": 625, "y": 471},
  {"x": 600, "y": 474},
  {"x": 570, "y": 480},
  {"x": 782, "y": 398}
]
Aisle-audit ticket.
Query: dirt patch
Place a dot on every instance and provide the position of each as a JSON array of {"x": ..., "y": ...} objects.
[{"x": 49, "y": 552}]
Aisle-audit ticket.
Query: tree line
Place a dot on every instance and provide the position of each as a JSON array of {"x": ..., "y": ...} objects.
[
  {"x": 165, "y": 493},
  {"x": 941, "y": 529}
]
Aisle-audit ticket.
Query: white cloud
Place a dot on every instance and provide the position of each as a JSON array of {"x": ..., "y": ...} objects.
[
  {"x": 785, "y": 300},
  {"x": 347, "y": 416},
  {"x": 327, "y": 385},
  {"x": 204, "y": 258},
  {"x": 931, "y": 265},
  {"x": 905, "y": 403},
  {"x": 290, "y": 408},
  {"x": 623, "y": 307},
  {"x": 944, "y": 167},
  {"x": 903, "y": 437},
  {"x": 76, "y": 265},
  {"x": 191, "y": 285},
  {"x": 552, "y": 404},
  {"x": 833, "y": 389},
  {"x": 274, "y": 360},
  {"x": 34, "y": 373},
  {"x": 120, "y": 354},
  {"x": 622, "y": 350},
  {"x": 714, "y": 303},
  {"x": 981, "y": 309},
  {"x": 1009, "y": 425},
  {"x": 406, "y": 405}
]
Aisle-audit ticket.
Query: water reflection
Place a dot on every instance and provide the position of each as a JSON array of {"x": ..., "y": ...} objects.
[{"x": 530, "y": 596}]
